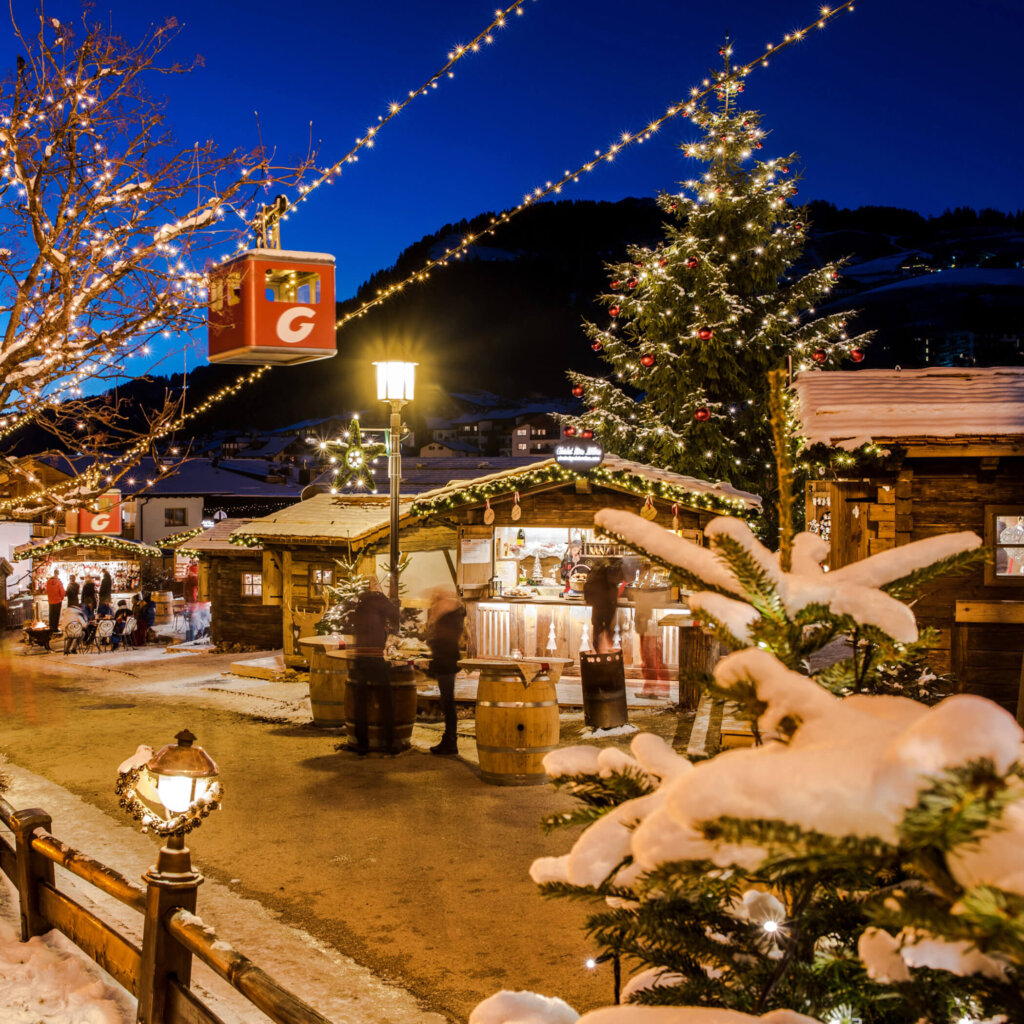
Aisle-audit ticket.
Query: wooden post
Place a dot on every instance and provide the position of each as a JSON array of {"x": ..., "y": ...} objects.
[
  {"x": 31, "y": 869},
  {"x": 171, "y": 884},
  {"x": 698, "y": 652}
]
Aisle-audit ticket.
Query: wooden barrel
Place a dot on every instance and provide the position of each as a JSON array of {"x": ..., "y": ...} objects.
[
  {"x": 516, "y": 725},
  {"x": 164, "y": 601},
  {"x": 366, "y": 711},
  {"x": 327, "y": 678},
  {"x": 604, "y": 689}
]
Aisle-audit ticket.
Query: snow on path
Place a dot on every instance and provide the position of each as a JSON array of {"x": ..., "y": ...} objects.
[{"x": 334, "y": 984}]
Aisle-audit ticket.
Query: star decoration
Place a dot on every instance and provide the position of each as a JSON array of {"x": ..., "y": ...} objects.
[{"x": 355, "y": 458}]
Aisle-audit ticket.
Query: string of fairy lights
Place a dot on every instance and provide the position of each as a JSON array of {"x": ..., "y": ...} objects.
[
  {"x": 684, "y": 108},
  {"x": 366, "y": 141}
]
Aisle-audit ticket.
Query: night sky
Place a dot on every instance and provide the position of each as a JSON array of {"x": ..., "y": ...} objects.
[{"x": 901, "y": 103}]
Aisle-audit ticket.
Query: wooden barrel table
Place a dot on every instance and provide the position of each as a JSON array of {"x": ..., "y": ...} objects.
[
  {"x": 367, "y": 707},
  {"x": 516, "y": 718},
  {"x": 164, "y": 601},
  {"x": 327, "y": 678}
]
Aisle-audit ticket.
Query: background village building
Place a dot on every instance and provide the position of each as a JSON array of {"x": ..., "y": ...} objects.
[{"x": 956, "y": 462}]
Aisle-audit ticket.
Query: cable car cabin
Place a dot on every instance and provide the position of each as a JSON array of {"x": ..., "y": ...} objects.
[{"x": 272, "y": 306}]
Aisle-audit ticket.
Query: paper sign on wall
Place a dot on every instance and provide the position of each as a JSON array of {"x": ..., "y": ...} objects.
[{"x": 475, "y": 550}]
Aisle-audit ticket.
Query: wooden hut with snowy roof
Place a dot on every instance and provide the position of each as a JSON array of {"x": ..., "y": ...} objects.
[
  {"x": 952, "y": 459},
  {"x": 526, "y": 540}
]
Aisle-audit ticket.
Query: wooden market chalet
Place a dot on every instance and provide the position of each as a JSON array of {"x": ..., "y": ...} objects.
[
  {"x": 952, "y": 458},
  {"x": 500, "y": 537}
]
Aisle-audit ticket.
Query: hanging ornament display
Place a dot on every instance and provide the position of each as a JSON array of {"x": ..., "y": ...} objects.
[
  {"x": 647, "y": 359},
  {"x": 355, "y": 459},
  {"x": 597, "y": 346},
  {"x": 820, "y": 355},
  {"x": 649, "y": 512},
  {"x": 516, "y": 513},
  {"x": 577, "y": 390},
  {"x": 677, "y": 523},
  {"x": 488, "y": 512},
  {"x": 705, "y": 333},
  {"x": 616, "y": 285},
  {"x": 857, "y": 355},
  {"x": 632, "y": 283},
  {"x": 702, "y": 415},
  {"x": 614, "y": 311}
]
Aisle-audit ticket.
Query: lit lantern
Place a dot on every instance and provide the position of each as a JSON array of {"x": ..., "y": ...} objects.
[{"x": 272, "y": 306}]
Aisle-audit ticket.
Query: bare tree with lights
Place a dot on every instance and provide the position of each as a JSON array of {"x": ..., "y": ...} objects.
[
  {"x": 695, "y": 324},
  {"x": 106, "y": 222}
]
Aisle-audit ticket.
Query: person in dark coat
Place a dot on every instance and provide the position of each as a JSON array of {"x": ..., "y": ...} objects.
[
  {"x": 106, "y": 588},
  {"x": 145, "y": 619},
  {"x": 89, "y": 591},
  {"x": 371, "y": 619},
  {"x": 445, "y": 622},
  {"x": 72, "y": 591},
  {"x": 601, "y": 592}
]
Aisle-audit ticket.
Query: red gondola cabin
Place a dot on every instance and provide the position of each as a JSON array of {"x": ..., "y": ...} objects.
[{"x": 272, "y": 306}]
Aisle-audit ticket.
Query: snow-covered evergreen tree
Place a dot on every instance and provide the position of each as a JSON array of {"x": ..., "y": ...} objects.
[
  {"x": 341, "y": 597},
  {"x": 695, "y": 324}
]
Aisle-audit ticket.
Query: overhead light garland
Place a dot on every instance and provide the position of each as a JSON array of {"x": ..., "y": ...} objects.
[
  {"x": 634, "y": 483},
  {"x": 366, "y": 141},
  {"x": 684, "y": 108},
  {"x": 175, "y": 540}
]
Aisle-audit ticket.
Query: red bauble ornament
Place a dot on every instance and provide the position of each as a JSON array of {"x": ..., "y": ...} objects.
[
  {"x": 615, "y": 285},
  {"x": 740, "y": 87},
  {"x": 632, "y": 283},
  {"x": 783, "y": 169},
  {"x": 692, "y": 262},
  {"x": 597, "y": 346},
  {"x": 701, "y": 415},
  {"x": 647, "y": 359},
  {"x": 834, "y": 275},
  {"x": 577, "y": 390},
  {"x": 746, "y": 124},
  {"x": 820, "y": 355},
  {"x": 757, "y": 145},
  {"x": 674, "y": 206},
  {"x": 588, "y": 434},
  {"x": 857, "y": 355},
  {"x": 570, "y": 431},
  {"x": 662, "y": 263},
  {"x": 793, "y": 190},
  {"x": 799, "y": 225},
  {"x": 721, "y": 51},
  {"x": 614, "y": 311},
  {"x": 705, "y": 333}
]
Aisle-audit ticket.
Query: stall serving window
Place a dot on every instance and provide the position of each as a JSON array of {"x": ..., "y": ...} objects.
[{"x": 1004, "y": 535}]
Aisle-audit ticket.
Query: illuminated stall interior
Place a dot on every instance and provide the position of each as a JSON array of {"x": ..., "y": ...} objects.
[{"x": 526, "y": 540}]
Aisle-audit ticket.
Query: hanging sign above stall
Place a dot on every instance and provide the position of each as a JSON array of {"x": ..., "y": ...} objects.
[{"x": 579, "y": 456}]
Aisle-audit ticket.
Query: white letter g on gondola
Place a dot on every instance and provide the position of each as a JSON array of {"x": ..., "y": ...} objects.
[{"x": 291, "y": 333}]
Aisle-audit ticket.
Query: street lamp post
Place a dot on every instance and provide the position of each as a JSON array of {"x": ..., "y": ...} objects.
[{"x": 396, "y": 383}]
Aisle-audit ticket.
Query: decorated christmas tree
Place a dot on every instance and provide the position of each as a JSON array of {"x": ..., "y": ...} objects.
[{"x": 695, "y": 324}]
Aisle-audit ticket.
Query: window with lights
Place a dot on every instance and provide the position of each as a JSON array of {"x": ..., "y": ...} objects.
[{"x": 1004, "y": 535}]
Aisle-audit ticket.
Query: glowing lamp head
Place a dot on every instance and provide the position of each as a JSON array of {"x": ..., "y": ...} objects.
[
  {"x": 183, "y": 773},
  {"x": 396, "y": 381},
  {"x": 770, "y": 926}
]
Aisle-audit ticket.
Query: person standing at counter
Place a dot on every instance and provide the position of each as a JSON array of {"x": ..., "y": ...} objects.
[
  {"x": 72, "y": 591},
  {"x": 601, "y": 592},
  {"x": 372, "y": 618},
  {"x": 446, "y": 619},
  {"x": 106, "y": 588}
]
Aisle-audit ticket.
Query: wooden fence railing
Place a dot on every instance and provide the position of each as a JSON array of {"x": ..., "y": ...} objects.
[{"x": 158, "y": 974}]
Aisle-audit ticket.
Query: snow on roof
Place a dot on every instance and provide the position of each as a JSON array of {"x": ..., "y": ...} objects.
[
  {"x": 203, "y": 477},
  {"x": 327, "y": 517},
  {"x": 849, "y": 408},
  {"x": 216, "y": 539},
  {"x": 426, "y": 472},
  {"x": 613, "y": 464}
]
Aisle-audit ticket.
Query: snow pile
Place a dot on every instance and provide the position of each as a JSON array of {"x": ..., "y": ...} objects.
[
  {"x": 45, "y": 984},
  {"x": 852, "y": 590},
  {"x": 507, "y": 1007}
]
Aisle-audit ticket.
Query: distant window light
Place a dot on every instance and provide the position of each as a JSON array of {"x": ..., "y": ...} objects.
[{"x": 252, "y": 584}]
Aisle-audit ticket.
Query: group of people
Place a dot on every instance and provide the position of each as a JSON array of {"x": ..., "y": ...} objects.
[
  {"x": 89, "y": 605},
  {"x": 372, "y": 618}
]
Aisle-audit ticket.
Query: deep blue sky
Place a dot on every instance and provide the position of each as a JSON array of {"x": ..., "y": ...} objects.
[{"x": 903, "y": 102}]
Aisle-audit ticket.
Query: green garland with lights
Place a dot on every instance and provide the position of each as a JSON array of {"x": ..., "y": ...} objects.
[
  {"x": 177, "y": 539},
  {"x": 245, "y": 540},
  {"x": 623, "y": 479},
  {"x": 116, "y": 543}
]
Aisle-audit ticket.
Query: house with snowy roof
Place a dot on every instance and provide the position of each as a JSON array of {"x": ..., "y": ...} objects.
[{"x": 952, "y": 458}]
